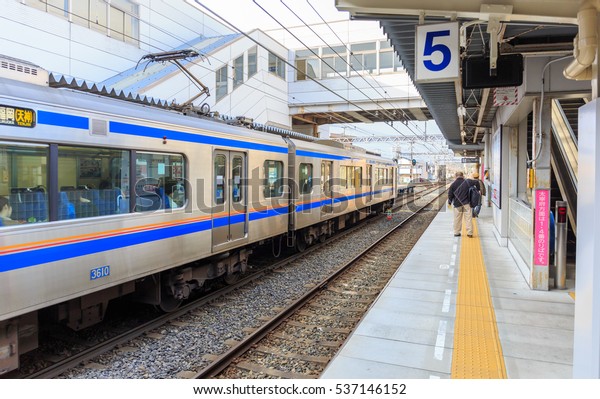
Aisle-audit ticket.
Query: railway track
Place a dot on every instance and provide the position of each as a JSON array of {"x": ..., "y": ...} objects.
[
  {"x": 120, "y": 342},
  {"x": 300, "y": 341}
]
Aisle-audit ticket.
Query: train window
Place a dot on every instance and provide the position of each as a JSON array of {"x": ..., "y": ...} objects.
[
  {"x": 351, "y": 176},
  {"x": 92, "y": 182},
  {"x": 357, "y": 176},
  {"x": 305, "y": 178},
  {"x": 236, "y": 179},
  {"x": 381, "y": 176},
  {"x": 23, "y": 179},
  {"x": 220, "y": 178},
  {"x": 343, "y": 177},
  {"x": 326, "y": 177},
  {"x": 159, "y": 181},
  {"x": 273, "y": 179}
]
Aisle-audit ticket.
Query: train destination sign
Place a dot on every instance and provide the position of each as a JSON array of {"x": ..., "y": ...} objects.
[
  {"x": 16, "y": 116},
  {"x": 470, "y": 160}
]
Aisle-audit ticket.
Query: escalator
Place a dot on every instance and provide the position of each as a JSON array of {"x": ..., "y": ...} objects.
[
  {"x": 564, "y": 158},
  {"x": 564, "y": 161}
]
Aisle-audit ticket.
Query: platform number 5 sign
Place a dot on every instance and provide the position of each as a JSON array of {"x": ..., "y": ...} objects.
[{"x": 437, "y": 52}]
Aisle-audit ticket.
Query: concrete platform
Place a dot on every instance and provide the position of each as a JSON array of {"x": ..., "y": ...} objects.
[{"x": 409, "y": 330}]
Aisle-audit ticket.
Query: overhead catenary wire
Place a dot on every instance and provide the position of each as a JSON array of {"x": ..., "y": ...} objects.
[
  {"x": 168, "y": 33},
  {"x": 312, "y": 51},
  {"x": 156, "y": 45},
  {"x": 341, "y": 41},
  {"x": 284, "y": 61},
  {"x": 350, "y": 65}
]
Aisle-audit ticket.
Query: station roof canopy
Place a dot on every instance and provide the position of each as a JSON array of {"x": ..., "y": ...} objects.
[{"x": 526, "y": 27}]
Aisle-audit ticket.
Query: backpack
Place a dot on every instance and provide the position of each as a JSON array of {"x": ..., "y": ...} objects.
[{"x": 475, "y": 200}]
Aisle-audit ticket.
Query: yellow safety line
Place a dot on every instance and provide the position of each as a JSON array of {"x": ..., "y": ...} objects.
[{"x": 477, "y": 350}]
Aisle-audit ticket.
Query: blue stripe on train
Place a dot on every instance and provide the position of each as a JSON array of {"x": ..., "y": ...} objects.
[
  {"x": 145, "y": 131},
  {"x": 52, "y": 254},
  {"x": 73, "y": 250},
  {"x": 64, "y": 120}
]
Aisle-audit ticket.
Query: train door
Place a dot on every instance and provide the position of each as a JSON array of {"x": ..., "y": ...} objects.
[
  {"x": 229, "y": 196},
  {"x": 369, "y": 183},
  {"x": 326, "y": 182}
]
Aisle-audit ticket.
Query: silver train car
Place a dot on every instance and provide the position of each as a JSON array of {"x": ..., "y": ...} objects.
[{"x": 102, "y": 198}]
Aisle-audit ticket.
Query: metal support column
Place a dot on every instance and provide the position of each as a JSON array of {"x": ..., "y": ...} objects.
[{"x": 560, "y": 258}]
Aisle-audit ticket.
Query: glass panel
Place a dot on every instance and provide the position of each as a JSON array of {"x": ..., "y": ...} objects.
[
  {"x": 325, "y": 176},
  {"x": 357, "y": 64},
  {"x": 39, "y": 4},
  {"x": 81, "y": 12},
  {"x": 357, "y": 177},
  {"x": 300, "y": 69},
  {"x": 343, "y": 177},
  {"x": 328, "y": 71},
  {"x": 238, "y": 72},
  {"x": 305, "y": 178},
  {"x": 363, "y": 47},
  {"x": 312, "y": 68},
  {"x": 117, "y": 24},
  {"x": 221, "y": 84},
  {"x": 58, "y": 7},
  {"x": 398, "y": 66},
  {"x": 384, "y": 44},
  {"x": 23, "y": 182},
  {"x": 91, "y": 182},
  {"x": 132, "y": 29},
  {"x": 273, "y": 181},
  {"x": 272, "y": 63},
  {"x": 341, "y": 65},
  {"x": 276, "y": 65},
  {"x": 386, "y": 61},
  {"x": 305, "y": 53},
  {"x": 252, "y": 65},
  {"x": 98, "y": 15},
  {"x": 237, "y": 173},
  {"x": 220, "y": 177},
  {"x": 341, "y": 50},
  {"x": 370, "y": 62},
  {"x": 159, "y": 181}
]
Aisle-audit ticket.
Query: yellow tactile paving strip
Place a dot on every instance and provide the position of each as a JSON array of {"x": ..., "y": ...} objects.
[{"x": 477, "y": 351}]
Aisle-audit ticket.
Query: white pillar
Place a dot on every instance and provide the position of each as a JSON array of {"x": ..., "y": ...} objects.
[
  {"x": 586, "y": 345},
  {"x": 586, "y": 337}
]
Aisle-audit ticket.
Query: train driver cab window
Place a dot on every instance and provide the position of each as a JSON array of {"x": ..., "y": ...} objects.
[
  {"x": 23, "y": 182},
  {"x": 160, "y": 181},
  {"x": 305, "y": 178},
  {"x": 273, "y": 179}
]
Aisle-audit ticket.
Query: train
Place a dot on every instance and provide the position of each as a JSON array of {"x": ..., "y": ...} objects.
[{"x": 102, "y": 198}]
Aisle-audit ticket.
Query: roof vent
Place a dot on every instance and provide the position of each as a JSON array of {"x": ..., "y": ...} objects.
[{"x": 12, "y": 68}]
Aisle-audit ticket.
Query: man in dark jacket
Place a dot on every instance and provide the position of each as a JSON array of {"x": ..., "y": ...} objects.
[{"x": 458, "y": 196}]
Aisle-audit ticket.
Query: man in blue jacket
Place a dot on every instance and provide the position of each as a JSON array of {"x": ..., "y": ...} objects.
[{"x": 459, "y": 197}]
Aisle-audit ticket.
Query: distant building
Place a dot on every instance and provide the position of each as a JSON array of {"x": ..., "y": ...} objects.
[{"x": 254, "y": 76}]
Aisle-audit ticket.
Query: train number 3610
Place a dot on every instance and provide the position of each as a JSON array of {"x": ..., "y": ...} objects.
[{"x": 99, "y": 272}]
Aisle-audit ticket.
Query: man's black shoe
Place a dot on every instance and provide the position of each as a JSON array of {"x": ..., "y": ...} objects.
[{"x": 456, "y": 235}]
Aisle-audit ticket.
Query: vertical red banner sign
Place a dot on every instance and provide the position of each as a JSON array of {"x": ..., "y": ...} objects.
[{"x": 541, "y": 239}]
